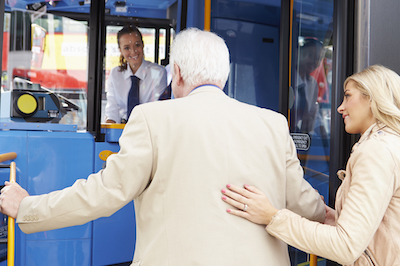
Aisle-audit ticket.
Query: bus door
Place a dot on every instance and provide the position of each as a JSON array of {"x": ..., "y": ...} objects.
[{"x": 309, "y": 97}]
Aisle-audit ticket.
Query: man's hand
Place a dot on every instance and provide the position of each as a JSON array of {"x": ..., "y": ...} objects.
[
  {"x": 10, "y": 198},
  {"x": 330, "y": 217}
]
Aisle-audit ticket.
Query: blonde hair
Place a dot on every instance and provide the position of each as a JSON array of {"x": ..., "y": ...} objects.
[{"x": 382, "y": 86}]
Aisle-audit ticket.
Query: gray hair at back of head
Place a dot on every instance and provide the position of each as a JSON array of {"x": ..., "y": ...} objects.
[
  {"x": 382, "y": 86},
  {"x": 202, "y": 57}
]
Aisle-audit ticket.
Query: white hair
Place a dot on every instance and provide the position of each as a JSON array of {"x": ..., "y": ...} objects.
[{"x": 201, "y": 56}]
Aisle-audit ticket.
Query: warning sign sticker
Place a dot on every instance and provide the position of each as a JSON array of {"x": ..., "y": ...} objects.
[{"x": 302, "y": 141}]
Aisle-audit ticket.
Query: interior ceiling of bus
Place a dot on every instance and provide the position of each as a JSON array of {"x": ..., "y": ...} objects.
[
  {"x": 312, "y": 13},
  {"x": 151, "y": 4},
  {"x": 83, "y": 6}
]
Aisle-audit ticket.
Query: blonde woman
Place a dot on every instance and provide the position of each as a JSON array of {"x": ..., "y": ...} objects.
[{"x": 365, "y": 227}]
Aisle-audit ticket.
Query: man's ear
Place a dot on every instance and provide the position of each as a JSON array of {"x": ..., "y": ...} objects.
[{"x": 177, "y": 75}]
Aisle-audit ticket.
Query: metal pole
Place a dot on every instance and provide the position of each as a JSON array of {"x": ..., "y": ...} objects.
[
  {"x": 11, "y": 225},
  {"x": 207, "y": 15}
]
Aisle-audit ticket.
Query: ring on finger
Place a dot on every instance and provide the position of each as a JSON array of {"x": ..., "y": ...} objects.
[{"x": 245, "y": 207}]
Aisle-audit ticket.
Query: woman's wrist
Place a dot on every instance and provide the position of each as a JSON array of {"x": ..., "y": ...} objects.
[{"x": 272, "y": 215}]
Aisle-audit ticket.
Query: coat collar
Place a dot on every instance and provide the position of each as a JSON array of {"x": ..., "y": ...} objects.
[
  {"x": 206, "y": 88},
  {"x": 369, "y": 132},
  {"x": 140, "y": 73}
]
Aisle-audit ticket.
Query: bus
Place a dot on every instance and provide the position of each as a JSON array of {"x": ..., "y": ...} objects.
[{"x": 64, "y": 50}]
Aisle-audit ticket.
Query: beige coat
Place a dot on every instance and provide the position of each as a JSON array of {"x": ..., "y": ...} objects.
[
  {"x": 175, "y": 157},
  {"x": 367, "y": 230}
]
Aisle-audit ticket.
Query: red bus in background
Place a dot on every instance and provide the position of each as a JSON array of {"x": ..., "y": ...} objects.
[
  {"x": 58, "y": 57},
  {"x": 58, "y": 61},
  {"x": 320, "y": 74},
  {"x": 6, "y": 48}
]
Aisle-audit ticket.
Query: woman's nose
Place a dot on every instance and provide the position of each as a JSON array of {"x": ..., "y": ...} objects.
[{"x": 340, "y": 109}]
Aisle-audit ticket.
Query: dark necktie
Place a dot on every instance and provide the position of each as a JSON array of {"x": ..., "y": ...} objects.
[{"x": 133, "y": 95}]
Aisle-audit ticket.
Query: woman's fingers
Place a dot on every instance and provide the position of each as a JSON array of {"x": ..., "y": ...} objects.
[
  {"x": 233, "y": 194},
  {"x": 238, "y": 213},
  {"x": 239, "y": 190},
  {"x": 240, "y": 196},
  {"x": 253, "y": 189},
  {"x": 258, "y": 210},
  {"x": 233, "y": 202}
]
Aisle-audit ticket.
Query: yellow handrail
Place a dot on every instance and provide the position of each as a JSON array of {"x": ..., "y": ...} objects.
[
  {"x": 11, "y": 222},
  {"x": 11, "y": 225},
  {"x": 313, "y": 260},
  {"x": 7, "y": 156},
  {"x": 207, "y": 15}
]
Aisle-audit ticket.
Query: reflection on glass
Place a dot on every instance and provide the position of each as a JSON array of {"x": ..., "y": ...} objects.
[
  {"x": 309, "y": 81},
  {"x": 311, "y": 89},
  {"x": 49, "y": 53}
]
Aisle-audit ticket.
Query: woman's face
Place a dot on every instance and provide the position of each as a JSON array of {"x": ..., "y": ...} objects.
[
  {"x": 356, "y": 110},
  {"x": 131, "y": 48}
]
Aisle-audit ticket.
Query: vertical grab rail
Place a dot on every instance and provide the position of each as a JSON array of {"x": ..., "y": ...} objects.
[
  {"x": 207, "y": 15},
  {"x": 11, "y": 222},
  {"x": 11, "y": 225},
  {"x": 313, "y": 260}
]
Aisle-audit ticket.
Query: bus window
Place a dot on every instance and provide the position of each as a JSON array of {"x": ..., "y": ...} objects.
[
  {"x": 63, "y": 67},
  {"x": 310, "y": 104},
  {"x": 54, "y": 59},
  {"x": 38, "y": 42},
  {"x": 112, "y": 54},
  {"x": 155, "y": 41},
  {"x": 45, "y": 44}
]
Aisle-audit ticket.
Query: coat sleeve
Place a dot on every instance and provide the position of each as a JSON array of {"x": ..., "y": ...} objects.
[
  {"x": 301, "y": 197},
  {"x": 100, "y": 195},
  {"x": 369, "y": 195}
]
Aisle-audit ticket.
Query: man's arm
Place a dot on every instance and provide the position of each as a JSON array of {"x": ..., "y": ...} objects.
[
  {"x": 301, "y": 197},
  {"x": 100, "y": 195}
]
